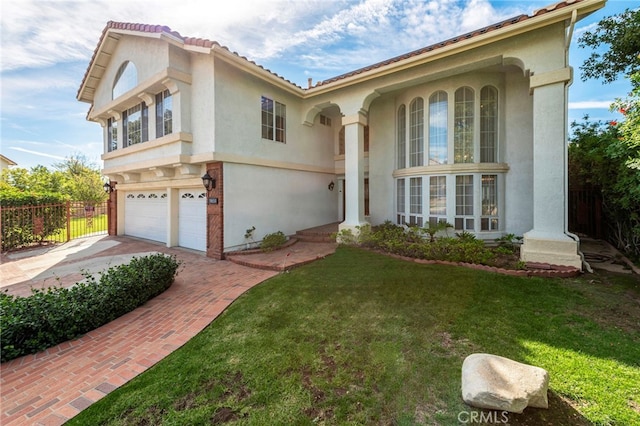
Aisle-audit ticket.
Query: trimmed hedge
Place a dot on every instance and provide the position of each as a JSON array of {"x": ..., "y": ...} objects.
[{"x": 57, "y": 314}]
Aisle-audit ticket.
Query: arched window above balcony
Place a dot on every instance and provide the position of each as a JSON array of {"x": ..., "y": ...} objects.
[{"x": 126, "y": 79}]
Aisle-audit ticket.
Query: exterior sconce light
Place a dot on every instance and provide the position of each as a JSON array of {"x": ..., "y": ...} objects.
[
  {"x": 208, "y": 182},
  {"x": 331, "y": 186},
  {"x": 107, "y": 187}
]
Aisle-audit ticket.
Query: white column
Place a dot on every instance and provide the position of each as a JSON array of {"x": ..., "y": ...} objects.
[
  {"x": 354, "y": 171},
  {"x": 120, "y": 211},
  {"x": 547, "y": 242},
  {"x": 173, "y": 199}
]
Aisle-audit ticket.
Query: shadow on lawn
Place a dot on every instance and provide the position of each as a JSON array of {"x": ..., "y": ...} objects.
[
  {"x": 560, "y": 412},
  {"x": 595, "y": 316}
]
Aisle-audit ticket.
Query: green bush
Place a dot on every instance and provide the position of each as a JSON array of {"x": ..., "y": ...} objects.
[
  {"x": 56, "y": 314},
  {"x": 271, "y": 242},
  {"x": 417, "y": 243},
  {"x": 18, "y": 224}
]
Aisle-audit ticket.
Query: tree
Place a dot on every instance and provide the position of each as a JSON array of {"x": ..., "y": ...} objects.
[
  {"x": 75, "y": 177},
  {"x": 76, "y": 165},
  {"x": 598, "y": 158},
  {"x": 83, "y": 179},
  {"x": 622, "y": 34},
  {"x": 629, "y": 128},
  {"x": 37, "y": 179},
  {"x": 608, "y": 156}
]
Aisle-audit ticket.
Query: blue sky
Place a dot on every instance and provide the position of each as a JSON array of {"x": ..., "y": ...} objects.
[{"x": 46, "y": 46}]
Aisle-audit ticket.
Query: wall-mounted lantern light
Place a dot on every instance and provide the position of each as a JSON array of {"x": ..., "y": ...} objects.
[
  {"x": 208, "y": 182},
  {"x": 331, "y": 186},
  {"x": 107, "y": 187}
]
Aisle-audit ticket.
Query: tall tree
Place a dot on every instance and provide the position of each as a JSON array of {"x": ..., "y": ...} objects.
[
  {"x": 629, "y": 128},
  {"x": 84, "y": 181},
  {"x": 608, "y": 155},
  {"x": 621, "y": 34}
]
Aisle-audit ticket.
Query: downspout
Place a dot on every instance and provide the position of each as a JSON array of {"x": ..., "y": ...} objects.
[{"x": 574, "y": 18}]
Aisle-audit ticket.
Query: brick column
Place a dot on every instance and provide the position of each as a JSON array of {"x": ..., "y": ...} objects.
[
  {"x": 215, "y": 213},
  {"x": 112, "y": 211}
]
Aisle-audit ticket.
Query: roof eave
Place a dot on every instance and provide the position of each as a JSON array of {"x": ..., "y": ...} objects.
[
  {"x": 532, "y": 23},
  {"x": 256, "y": 70},
  {"x": 85, "y": 93}
]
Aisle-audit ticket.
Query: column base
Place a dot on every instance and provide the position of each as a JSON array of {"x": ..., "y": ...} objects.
[{"x": 554, "y": 249}]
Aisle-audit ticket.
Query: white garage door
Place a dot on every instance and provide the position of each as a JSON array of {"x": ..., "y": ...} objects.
[
  {"x": 145, "y": 215},
  {"x": 192, "y": 219}
]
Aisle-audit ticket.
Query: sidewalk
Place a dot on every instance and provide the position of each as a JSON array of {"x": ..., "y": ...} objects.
[{"x": 51, "y": 387}]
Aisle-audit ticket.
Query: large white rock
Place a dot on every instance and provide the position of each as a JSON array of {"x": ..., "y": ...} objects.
[{"x": 497, "y": 383}]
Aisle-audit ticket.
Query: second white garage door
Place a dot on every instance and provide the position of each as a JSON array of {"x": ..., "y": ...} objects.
[
  {"x": 145, "y": 215},
  {"x": 192, "y": 219}
]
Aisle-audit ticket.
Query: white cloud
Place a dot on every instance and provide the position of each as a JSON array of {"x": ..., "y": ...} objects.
[
  {"x": 38, "y": 153},
  {"x": 590, "y": 105}
]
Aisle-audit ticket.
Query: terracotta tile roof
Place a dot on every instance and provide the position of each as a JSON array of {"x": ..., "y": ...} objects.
[
  {"x": 145, "y": 28},
  {"x": 200, "y": 42}
]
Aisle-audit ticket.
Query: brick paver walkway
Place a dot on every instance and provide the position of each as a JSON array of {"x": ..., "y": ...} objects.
[{"x": 50, "y": 387}]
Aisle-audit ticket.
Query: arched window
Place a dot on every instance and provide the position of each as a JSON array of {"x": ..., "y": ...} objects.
[
  {"x": 438, "y": 105},
  {"x": 126, "y": 79},
  {"x": 402, "y": 137},
  {"x": 463, "y": 126},
  {"x": 416, "y": 132},
  {"x": 489, "y": 124}
]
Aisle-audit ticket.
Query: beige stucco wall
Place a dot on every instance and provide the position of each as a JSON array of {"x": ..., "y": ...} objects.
[
  {"x": 238, "y": 122},
  {"x": 150, "y": 56},
  {"x": 273, "y": 199},
  {"x": 518, "y": 153}
]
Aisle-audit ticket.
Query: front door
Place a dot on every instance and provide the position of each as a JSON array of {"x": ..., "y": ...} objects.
[{"x": 366, "y": 197}]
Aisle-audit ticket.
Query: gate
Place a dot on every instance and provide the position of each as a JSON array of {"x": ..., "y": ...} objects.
[
  {"x": 585, "y": 213},
  {"x": 28, "y": 226}
]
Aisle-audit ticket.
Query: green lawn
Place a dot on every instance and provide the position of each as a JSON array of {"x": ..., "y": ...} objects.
[
  {"x": 361, "y": 338},
  {"x": 79, "y": 228}
]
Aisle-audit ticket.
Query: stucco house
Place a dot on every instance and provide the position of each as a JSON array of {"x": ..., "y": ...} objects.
[
  {"x": 471, "y": 130},
  {"x": 6, "y": 162}
]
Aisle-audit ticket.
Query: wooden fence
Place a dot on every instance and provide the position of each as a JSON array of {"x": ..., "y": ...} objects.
[
  {"x": 585, "y": 213},
  {"x": 28, "y": 226}
]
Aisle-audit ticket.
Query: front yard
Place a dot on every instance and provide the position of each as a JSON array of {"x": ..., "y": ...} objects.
[{"x": 362, "y": 338}]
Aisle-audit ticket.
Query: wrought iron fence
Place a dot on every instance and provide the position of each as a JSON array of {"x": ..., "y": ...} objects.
[{"x": 27, "y": 226}]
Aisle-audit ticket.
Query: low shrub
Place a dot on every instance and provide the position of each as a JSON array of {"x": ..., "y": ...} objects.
[
  {"x": 417, "y": 243},
  {"x": 57, "y": 314},
  {"x": 271, "y": 242}
]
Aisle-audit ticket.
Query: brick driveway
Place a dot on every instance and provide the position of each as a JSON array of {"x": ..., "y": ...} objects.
[{"x": 50, "y": 387}]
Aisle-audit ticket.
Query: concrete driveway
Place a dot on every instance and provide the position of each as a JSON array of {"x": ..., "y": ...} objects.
[{"x": 63, "y": 264}]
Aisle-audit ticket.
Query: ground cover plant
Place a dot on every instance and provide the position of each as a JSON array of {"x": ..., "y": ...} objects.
[{"x": 363, "y": 338}]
